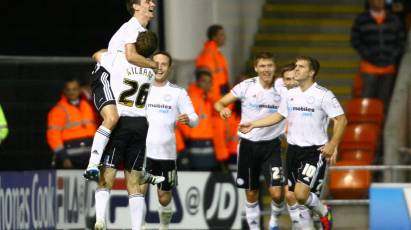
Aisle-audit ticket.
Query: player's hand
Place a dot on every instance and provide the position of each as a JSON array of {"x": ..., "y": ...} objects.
[
  {"x": 153, "y": 65},
  {"x": 67, "y": 164},
  {"x": 328, "y": 150},
  {"x": 333, "y": 158},
  {"x": 225, "y": 113},
  {"x": 183, "y": 119},
  {"x": 245, "y": 127}
]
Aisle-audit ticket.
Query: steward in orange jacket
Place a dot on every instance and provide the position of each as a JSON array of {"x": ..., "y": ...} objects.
[
  {"x": 212, "y": 59},
  {"x": 203, "y": 146},
  {"x": 70, "y": 128}
]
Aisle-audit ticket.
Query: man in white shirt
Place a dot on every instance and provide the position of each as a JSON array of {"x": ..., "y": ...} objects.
[
  {"x": 122, "y": 43},
  {"x": 128, "y": 140},
  {"x": 307, "y": 109},
  {"x": 166, "y": 104},
  {"x": 260, "y": 149}
]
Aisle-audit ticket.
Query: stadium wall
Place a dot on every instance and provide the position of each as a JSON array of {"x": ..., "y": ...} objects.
[{"x": 186, "y": 22}]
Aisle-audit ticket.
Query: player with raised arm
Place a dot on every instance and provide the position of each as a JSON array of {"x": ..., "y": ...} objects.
[
  {"x": 259, "y": 151},
  {"x": 307, "y": 109},
  {"x": 122, "y": 43},
  {"x": 166, "y": 104},
  {"x": 128, "y": 140}
]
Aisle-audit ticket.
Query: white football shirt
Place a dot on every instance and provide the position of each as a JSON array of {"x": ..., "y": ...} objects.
[
  {"x": 164, "y": 104},
  {"x": 257, "y": 103},
  {"x": 307, "y": 114},
  {"x": 130, "y": 84},
  {"x": 127, "y": 34}
]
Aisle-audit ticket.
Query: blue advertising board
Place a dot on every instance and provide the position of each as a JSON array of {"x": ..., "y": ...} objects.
[{"x": 27, "y": 200}]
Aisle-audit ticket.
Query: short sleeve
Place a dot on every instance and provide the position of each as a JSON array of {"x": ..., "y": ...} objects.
[
  {"x": 238, "y": 90},
  {"x": 331, "y": 106},
  {"x": 130, "y": 34}
]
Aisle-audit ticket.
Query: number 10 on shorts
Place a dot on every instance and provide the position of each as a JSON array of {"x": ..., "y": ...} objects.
[{"x": 309, "y": 170}]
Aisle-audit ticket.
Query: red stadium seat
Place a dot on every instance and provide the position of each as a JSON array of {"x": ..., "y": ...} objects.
[
  {"x": 365, "y": 110},
  {"x": 362, "y": 156},
  {"x": 349, "y": 184},
  {"x": 360, "y": 136}
]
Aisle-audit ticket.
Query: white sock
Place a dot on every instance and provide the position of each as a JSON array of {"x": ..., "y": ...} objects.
[
  {"x": 315, "y": 204},
  {"x": 165, "y": 213},
  {"x": 136, "y": 204},
  {"x": 252, "y": 212},
  {"x": 100, "y": 140},
  {"x": 306, "y": 222},
  {"x": 102, "y": 195},
  {"x": 294, "y": 212},
  {"x": 276, "y": 210}
]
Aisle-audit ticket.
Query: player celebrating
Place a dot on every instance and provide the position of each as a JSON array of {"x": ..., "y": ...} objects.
[
  {"x": 259, "y": 150},
  {"x": 122, "y": 42},
  {"x": 307, "y": 109},
  {"x": 166, "y": 104},
  {"x": 127, "y": 142}
]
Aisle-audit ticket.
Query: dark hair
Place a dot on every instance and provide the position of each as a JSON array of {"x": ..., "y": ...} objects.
[
  {"x": 286, "y": 68},
  {"x": 263, "y": 55},
  {"x": 202, "y": 71},
  {"x": 146, "y": 43},
  {"x": 212, "y": 31},
  {"x": 165, "y": 53},
  {"x": 129, "y": 6},
  {"x": 312, "y": 63}
]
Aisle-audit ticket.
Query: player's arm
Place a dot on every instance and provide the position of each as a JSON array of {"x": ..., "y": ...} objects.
[
  {"x": 134, "y": 58},
  {"x": 221, "y": 105},
  {"x": 97, "y": 55},
  {"x": 329, "y": 149},
  {"x": 188, "y": 115},
  {"x": 264, "y": 122}
]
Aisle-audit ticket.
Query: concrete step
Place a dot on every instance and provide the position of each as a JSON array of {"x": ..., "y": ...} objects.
[
  {"x": 317, "y": 22},
  {"x": 313, "y": 8},
  {"x": 299, "y": 29},
  {"x": 318, "y": 50}
]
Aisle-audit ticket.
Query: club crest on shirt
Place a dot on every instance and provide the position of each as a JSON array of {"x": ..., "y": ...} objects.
[
  {"x": 167, "y": 97},
  {"x": 277, "y": 98},
  {"x": 310, "y": 100}
]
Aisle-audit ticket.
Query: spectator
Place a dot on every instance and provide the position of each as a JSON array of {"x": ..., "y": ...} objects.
[
  {"x": 378, "y": 37},
  {"x": 4, "y": 130},
  {"x": 70, "y": 128},
  {"x": 201, "y": 145},
  {"x": 212, "y": 59}
]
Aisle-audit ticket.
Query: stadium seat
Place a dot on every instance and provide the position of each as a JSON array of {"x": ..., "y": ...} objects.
[
  {"x": 349, "y": 184},
  {"x": 358, "y": 155},
  {"x": 360, "y": 137},
  {"x": 365, "y": 110}
]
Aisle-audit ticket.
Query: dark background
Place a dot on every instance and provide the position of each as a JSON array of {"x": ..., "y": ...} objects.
[
  {"x": 30, "y": 87},
  {"x": 59, "y": 28}
]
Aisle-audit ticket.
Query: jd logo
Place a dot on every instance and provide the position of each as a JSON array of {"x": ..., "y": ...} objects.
[{"x": 220, "y": 201}]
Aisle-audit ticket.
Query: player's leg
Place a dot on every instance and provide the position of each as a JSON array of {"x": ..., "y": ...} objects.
[
  {"x": 105, "y": 103},
  {"x": 273, "y": 172},
  {"x": 248, "y": 179},
  {"x": 112, "y": 158},
  {"x": 135, "y": 198},
  {"x": 298, "y": 213},
  {"x": 102, "y": 195},
  {"x": 311, "y": 163},
  {"x": 168, "y": 169}
]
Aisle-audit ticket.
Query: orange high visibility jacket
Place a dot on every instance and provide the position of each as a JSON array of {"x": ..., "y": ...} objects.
[
  {"x": 232, "y": 139},
  {"x": 214, "y": 60},
  {"x": 180, "y": 145},
  {"x": 66, "y": 122},
  {"x": 207, "y": 128}
]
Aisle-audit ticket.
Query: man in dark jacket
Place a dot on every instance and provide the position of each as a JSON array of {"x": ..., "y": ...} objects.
[{"x": 378, "y": 37}]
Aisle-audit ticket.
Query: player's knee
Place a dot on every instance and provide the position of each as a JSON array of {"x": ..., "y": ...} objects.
[
  {"x": 277, "y": 195},
  {"x": 105, "y": 184},
  {"x": 111, "y": 120},
  {"x": 301, "y": 197},
  {"x": 290, "y": 197},
  {"x": 251, "y": 195},
  {"x": 164, "y": 200}
]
